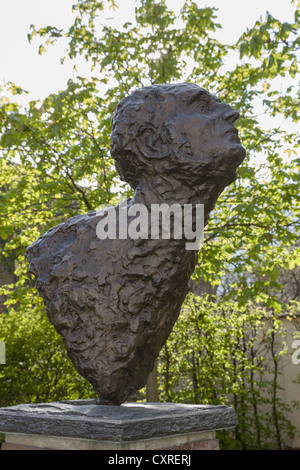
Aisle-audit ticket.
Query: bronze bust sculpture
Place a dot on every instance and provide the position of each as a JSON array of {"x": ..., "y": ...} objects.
[{"x": 115, "y": 301}]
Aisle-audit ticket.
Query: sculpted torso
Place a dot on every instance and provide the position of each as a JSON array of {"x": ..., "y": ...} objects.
[{"x": 115, "y": 302}]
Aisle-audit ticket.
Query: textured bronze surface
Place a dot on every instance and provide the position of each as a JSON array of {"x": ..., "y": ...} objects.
[{"x": 115, "y": 302}]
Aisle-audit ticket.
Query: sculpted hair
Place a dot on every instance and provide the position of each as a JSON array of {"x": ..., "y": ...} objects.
[{"x": 142, "y": 137}]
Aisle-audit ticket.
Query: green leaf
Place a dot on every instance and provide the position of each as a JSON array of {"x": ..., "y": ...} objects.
[
  {"x": 275, "y": 272},
  {"x": 41, "y": 49}
]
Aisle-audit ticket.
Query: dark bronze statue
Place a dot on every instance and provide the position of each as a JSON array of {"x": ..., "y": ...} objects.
[{"x": 115, "y": 301}]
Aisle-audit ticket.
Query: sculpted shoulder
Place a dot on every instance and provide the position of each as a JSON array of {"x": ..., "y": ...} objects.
[{"x": 70, "y": 249}]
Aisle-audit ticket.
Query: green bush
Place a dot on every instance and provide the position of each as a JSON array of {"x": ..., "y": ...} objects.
[
  {"x": 37, "y": 367},
  {"x": 215, "y": 355},
  {"x": 224, "y": 354}
]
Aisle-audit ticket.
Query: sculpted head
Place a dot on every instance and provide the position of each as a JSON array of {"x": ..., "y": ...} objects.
[{"x": 175, "y": 130}]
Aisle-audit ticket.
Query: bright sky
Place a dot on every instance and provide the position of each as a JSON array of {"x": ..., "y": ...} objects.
[{"x": 42, "y": 75}]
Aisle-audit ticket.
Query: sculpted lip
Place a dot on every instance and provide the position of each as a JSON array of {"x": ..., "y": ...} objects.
[{"x": 234, "y": 133}]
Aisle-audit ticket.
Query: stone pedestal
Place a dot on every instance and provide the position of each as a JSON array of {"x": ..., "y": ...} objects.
[{"x": 84, "y": 425}]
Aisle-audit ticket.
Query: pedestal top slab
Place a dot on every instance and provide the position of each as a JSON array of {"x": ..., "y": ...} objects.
[{"x": 130, "y": 421}]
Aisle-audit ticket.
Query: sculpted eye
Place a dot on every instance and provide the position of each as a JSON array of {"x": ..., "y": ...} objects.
[
  {"x": 203, "y": 105},
  {"x": 202, "y": 101}
]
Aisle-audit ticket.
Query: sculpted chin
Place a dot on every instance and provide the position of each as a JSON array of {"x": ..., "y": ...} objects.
[{"x": 115, "y": 302}]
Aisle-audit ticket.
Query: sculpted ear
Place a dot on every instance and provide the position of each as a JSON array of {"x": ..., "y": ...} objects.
[{"x": 150, "y": 143}]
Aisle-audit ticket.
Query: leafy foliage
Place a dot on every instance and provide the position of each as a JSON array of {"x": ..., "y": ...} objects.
[
  {"x": 63, "y": 143},
  {"x": 218, "y": 354},
  {"x": 37, "y": 368}
]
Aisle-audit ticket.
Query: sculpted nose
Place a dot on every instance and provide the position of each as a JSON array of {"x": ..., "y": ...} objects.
[{"x": 230, "y": 114}]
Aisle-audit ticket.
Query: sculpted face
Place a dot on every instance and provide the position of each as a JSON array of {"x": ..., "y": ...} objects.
[
  {"x": 179, "y": 130},
  {"x": 211, "y": 137}
]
